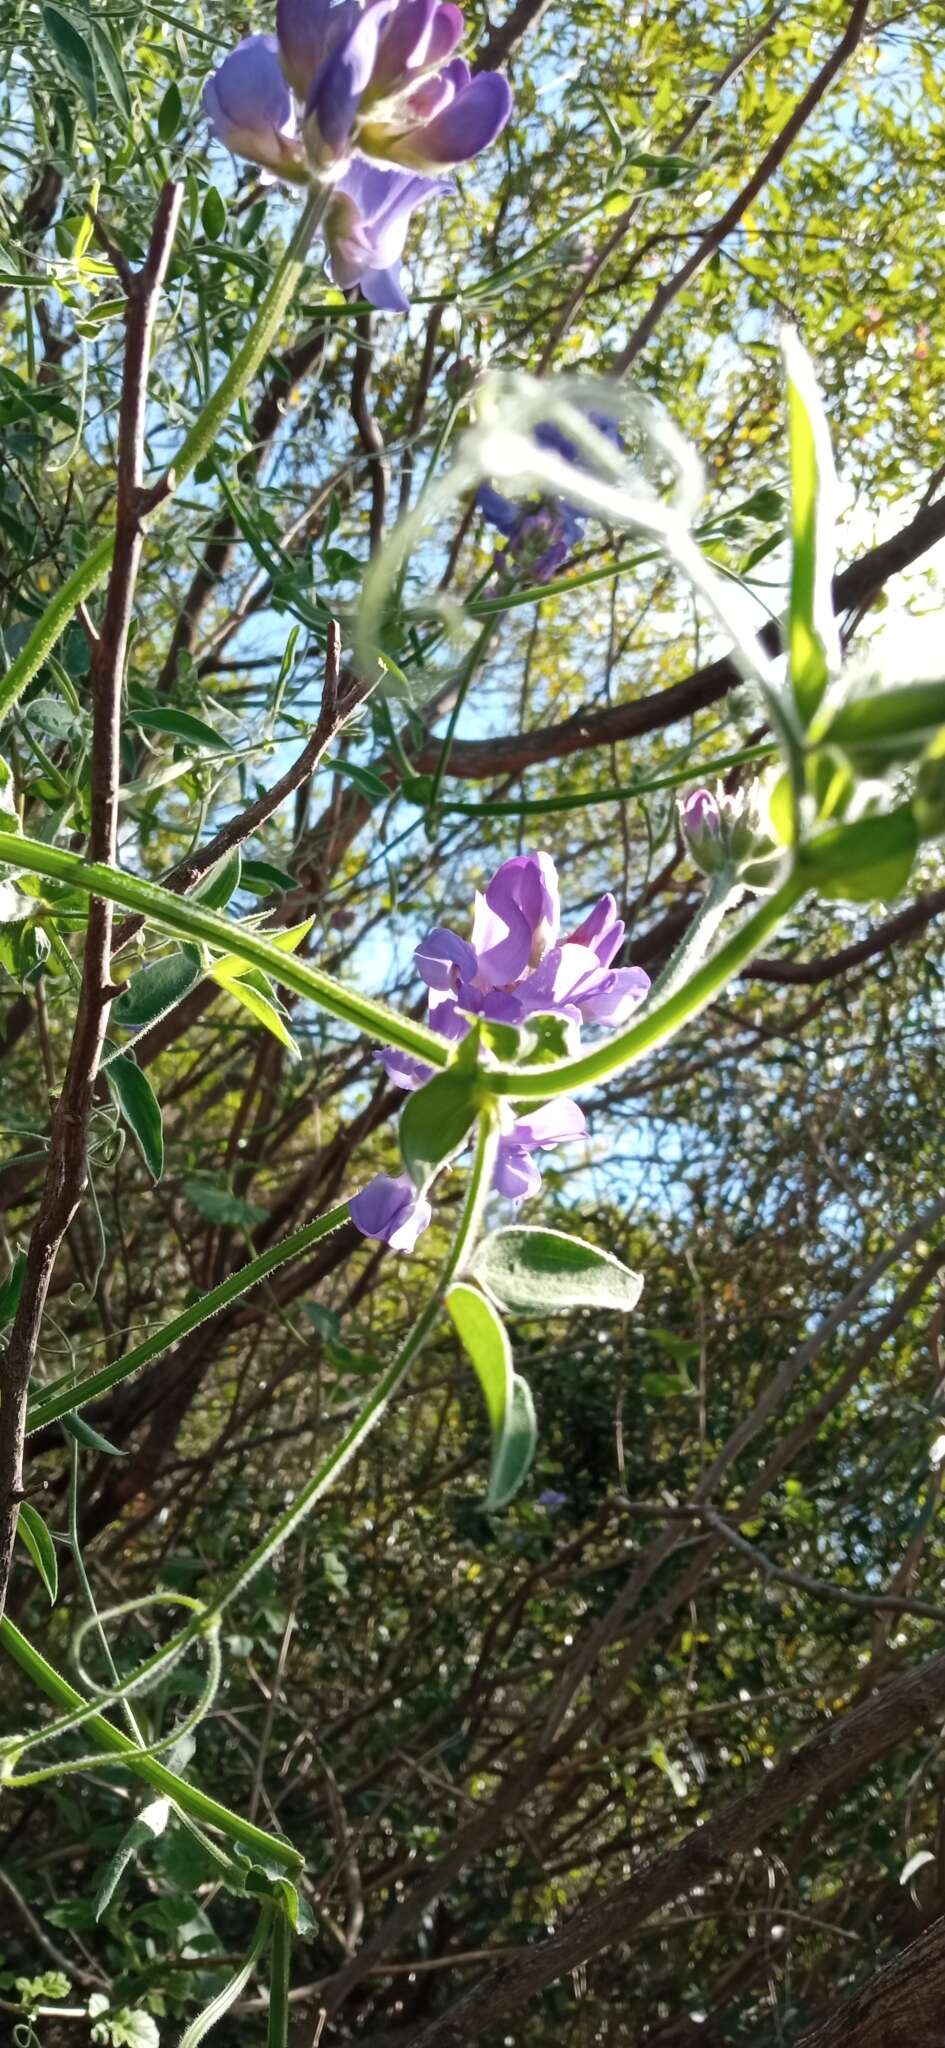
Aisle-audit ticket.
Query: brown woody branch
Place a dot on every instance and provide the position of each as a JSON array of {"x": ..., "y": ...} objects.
[
  {"x": 856, "y": 585},
  {"x": 501, "y": 42},
  {"x": 853, "y": 1742},
  {"x": 716, "y": 235},
  {"x": 900, "y": 2008},
  {"x": 66, "y": 1166}
]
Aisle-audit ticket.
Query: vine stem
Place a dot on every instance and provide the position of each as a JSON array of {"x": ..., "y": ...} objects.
[
  {"x": 541, "y": 1084},
  {"x": 720, "y": 897},
  {"x": 66, "y": 1394},
  {"x": 186, "y": 919},
  {"x": 109, "y": 1738},
  {"x": 195, "y": 445}
]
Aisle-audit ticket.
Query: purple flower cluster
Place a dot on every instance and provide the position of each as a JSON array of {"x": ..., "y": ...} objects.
[
  {"x": 543, "y": 536},
  {"x": 514, "y": 966},
  {"x": 731, "y": 832},
  {"x": 369, "y": 97}
]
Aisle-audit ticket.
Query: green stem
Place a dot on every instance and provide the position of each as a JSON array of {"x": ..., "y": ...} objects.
[
  {"x": 185, "y": 919},
  {"x": 112, "y": 1742},
  {"x": 469, "y": 671},
  {"x": 720, "y": 897},
  {"x": 280, "y": 1960},
  {"x": 550, "y": 806},
  {"x": 195, "y": 445},
  {"x": 67, "y": 1394},
  {"x": 540, "y": 1084},
  {"x": 109, "y": 1738}
]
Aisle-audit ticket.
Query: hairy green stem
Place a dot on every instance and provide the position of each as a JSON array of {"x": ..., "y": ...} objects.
[
  {"x": 280, "y": 1960},
  {"x": 112, "y": 1742},
  {"x": 110, "y": 1739},
  {"x": 721, "y": 896},
  {"x": 185, "y": 919},
  {"x": 540, "y": 1084},
  {"x": 69, "y": 1393},
  {"x": 201, "y": 438}
]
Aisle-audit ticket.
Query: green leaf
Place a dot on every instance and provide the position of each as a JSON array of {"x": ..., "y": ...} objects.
[
  {"x": 169, "y": 112},
  {"x": 485, "y": 1341},
  {"x": 132, "y": 1092},
  {"x": 11, "y": 1290},
  {"x": 110, "y": 67},
  {"x": 213, "y": 214},
  {"x": 260, "y": 1006},
  {"x": 221, "y": 882},
  {"x": 154, "y": 990},
  {"x": 867, "y": 861},
  {"x": 365, "y": 781},
  {"x": 513, "y": 1455},
  {"x": 83, "y": 1433},
  {"x": 36, "y": 1537},
  {"x": 262, "y": 876},
  {"x": 149, "y": 1826},
  {"x": 218, "y": 1205},
  {"x": 23, "y": 948},
  {"x": 182, "y": 725},
  {"x": 437, "y": 1121},
  {"x": 74, "y": 55},
  {"x": 888, "y": 725},
  {"x": 507, "y": 1398},
  {"x": 813, "y": 638},
  {"x": 528, "y": 1270}
]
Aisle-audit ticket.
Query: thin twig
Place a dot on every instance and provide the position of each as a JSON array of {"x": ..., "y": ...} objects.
[
  {"x": 66, "y": 1166},
  {"x": 716, "y": 235}
]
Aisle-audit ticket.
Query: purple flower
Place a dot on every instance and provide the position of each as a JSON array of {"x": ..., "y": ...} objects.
[
  {"x": 366, "y": 228},
  {"x": 551, "y": 1498},
  {"x": 557, "y": 1123},
  {"x": 542, "y": 539},
  {"x": 391, "y": 1210},
  {"x": 249, "y": 107},
  {"x": 386, "y": 107},
  {"x": 516, "y": 965},
  {"x": 383, "y": 78},
  {"x": 699, "y": 814}
]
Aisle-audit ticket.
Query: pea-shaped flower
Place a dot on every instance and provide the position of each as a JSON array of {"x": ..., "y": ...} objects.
[
  {"x": 342, "y": 91},
  {"x": 514, "y": 965},
  {"x": 250, "y": 109}
]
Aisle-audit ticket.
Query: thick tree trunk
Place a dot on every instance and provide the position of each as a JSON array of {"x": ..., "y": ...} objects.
[{"x": 904, "y": 2007}]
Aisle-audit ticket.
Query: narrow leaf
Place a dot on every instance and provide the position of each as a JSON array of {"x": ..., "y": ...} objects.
[
  {"x": 182, "y": 725},
  {"x": 36, "y": 1537},
  {"x": 813, "y": 637},
  {"x": 528, "y": 1270},
  {"x": 150, "y": 1824},
  {"x": 83, "y": 1433},
  {"x": 365, "y": 781},
  {"x": 259, "y": 1006},
  {"x": 154, "y": 990},
  {"x": 215, "y": 888},
  {"x": 110, "y": 67},
  {"x": 485, "y": 1341},
  {"x": 132, "y": 1092},
  {"x": 74, "y": 55},
  {"x": 513, "y": 1454}
]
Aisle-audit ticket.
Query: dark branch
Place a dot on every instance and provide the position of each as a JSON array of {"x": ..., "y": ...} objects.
[
  {"x": 771, "y": 161},
  {"x": 66, "y": 1166},
  {"x": 856, "y": 585}
]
